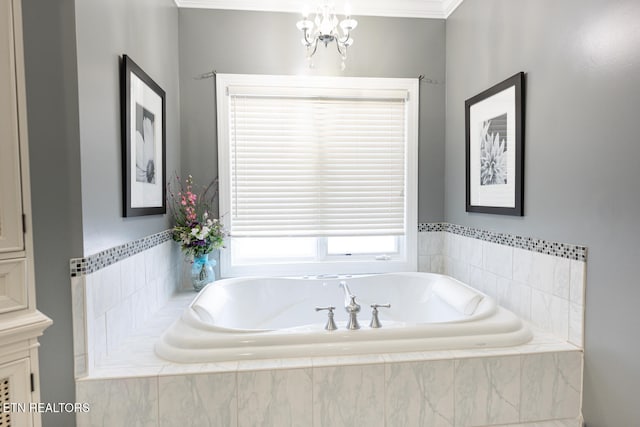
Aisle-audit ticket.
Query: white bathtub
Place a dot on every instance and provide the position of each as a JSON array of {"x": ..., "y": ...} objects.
[{"x": 257, "y": 318}]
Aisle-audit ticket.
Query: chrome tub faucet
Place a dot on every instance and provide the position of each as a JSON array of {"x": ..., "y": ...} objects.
[{"x": 350, "y": 306}]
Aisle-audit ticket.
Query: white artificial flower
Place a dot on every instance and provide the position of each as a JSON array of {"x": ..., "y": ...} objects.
[{"x": 203, "y": 233}]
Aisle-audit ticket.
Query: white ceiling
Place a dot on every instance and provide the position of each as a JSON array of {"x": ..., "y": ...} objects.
[{"x": 399, "y": 8}]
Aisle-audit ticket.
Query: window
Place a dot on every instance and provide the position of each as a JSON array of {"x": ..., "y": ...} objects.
[{"x": 318, "y": 175}]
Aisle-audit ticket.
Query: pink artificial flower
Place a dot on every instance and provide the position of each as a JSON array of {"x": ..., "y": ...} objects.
[{"x": 191, "y": 213}]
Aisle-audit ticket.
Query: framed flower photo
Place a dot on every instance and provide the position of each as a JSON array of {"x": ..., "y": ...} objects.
[
  {"x": 494, "y": 122},
  {"x": 143, "y": 109}
]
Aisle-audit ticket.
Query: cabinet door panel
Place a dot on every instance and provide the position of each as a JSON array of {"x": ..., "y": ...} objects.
[
  {"x": 11, "y": 233},
  {"x": 13, "y": 285},
  {"x": 15, "y": 384}
]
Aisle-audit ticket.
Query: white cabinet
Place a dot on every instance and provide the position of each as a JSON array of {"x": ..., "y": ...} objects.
[
  {"x": 11, "y": 232},
  {"x": 20, "y": 322}
]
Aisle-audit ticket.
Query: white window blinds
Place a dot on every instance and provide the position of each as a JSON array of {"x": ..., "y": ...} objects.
[{"x": 317, "y": 162}]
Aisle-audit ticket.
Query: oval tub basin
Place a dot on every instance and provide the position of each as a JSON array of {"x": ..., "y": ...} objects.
[{"x": 264, "y": 317}]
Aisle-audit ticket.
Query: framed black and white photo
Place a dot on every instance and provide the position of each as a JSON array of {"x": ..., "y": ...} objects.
[
  {"x": 494, "y": 121},
  {"x": 143, "y": 108}
]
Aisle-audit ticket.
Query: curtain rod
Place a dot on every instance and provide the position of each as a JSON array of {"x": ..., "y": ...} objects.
[
  {"x": 212, "y": 74},
  {"x": 208, "y": 75}
]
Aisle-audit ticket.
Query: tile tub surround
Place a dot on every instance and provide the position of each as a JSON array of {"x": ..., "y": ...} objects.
[
  {"x": 537, "y": 384},
  {"x": 542, "y": 282},
  {"x": 119, "y": 295},
  {"x": 322, "y": 397}
]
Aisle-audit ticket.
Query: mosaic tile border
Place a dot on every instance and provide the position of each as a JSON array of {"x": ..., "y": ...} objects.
[
  {"x": 562, "y": 250},
  {"x": 432, "y": 226},
  {"x": 95, "y": 262}
]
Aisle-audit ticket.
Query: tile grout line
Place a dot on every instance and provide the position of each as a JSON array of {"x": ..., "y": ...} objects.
[
  {"x": 157, "y": 377},
  {"x": 520, "y": 397},
  {"x": 235, "y": 376}
]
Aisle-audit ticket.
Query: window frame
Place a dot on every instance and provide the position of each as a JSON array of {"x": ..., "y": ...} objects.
[{"x": 405, "y": 260}]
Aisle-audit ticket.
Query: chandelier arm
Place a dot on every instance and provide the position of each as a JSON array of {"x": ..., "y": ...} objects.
[
  {"x": 315, "y": 47},
  {"x": 340, "y": 44},
  {"x": 341, "y": 32},
  {"x": 306, "y": 38},
  {"x": 345, "y": 38}
]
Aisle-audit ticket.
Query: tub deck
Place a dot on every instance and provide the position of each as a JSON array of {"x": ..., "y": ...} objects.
[
  {"x": 136, "y": 356},
  {"x": 490, "y": 387}
]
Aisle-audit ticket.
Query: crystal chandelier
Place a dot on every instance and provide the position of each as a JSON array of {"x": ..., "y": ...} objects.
[{"x": 325, "y": 27}]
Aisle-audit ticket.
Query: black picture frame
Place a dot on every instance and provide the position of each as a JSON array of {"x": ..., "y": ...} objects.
[
  {"x": 143, "y": 117},
  {"x": 494, "y": 148}
]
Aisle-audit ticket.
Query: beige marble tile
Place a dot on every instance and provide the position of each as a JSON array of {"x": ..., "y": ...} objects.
[
  {"x": 437, "y": 264},
  {"x": 345, "y": 396},
  {"x": 198, "y": 400},
  {"x": 577, "y": 282},
  {"x": 419, "y": 394},
  {"x": 273, "y": 364},
  {"x": 78, "y": 307},
  {"x": 358, "y": 359},
  {"x": 487, "y": 391},
  {"x": 275, "y": 398},
  {"x": 119, "y": 402},
  {"x": 553, "y": 423},
  {"x": 550, "y": 313},
  {"x": 576, "y": 324},
  {"x": 551, "y": 384},
  {"x": 497, "y": 259}
]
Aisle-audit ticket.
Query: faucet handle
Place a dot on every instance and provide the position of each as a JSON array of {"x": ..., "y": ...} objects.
[
  {"x": 375, "y": 322},
  {"x": 377, "y": 306},
  {"x": 353, "y": 306},
  {"x": 331, "y": 324}
]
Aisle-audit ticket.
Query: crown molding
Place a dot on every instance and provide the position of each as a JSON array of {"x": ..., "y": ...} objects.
[
  {"x": 448, "y": 6},
  {"x": 439, "y": 9}
]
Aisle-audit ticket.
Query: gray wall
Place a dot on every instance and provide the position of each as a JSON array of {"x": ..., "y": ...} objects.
[
  {"x": 74, "y": 135},
  {"x": 54, "y": 150},
  {"x": 582, "y": 59},
  {"x": 269, "y": 43},
  {"x": 147, "y": 31}
]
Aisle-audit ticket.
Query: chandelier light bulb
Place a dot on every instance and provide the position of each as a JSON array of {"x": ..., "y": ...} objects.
[
  {"x": 304, "y": 25},
  {"x": 348, "y": 24}
]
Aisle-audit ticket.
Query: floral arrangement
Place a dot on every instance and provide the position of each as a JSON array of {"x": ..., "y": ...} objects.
[{"x": 196, "y": 231}]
